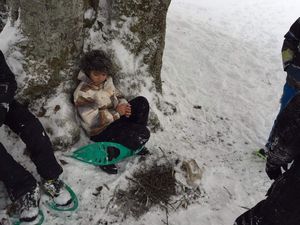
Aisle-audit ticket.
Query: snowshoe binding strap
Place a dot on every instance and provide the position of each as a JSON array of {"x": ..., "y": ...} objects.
[
  {"x": 70, "y": 207},
  {"x": 39, "y": 220},
  {"x": 97, "y": 153}
]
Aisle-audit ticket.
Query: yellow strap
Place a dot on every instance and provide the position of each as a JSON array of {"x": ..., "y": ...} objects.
[{"x": 287, "y": 55}]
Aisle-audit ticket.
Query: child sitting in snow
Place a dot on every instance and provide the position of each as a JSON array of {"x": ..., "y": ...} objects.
[
  {"x": 21, "y": 186},
  {"x": 104, "y": 112}
]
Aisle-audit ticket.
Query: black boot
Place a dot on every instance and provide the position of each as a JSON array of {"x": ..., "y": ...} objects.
[{"x": 112, "y": 153}]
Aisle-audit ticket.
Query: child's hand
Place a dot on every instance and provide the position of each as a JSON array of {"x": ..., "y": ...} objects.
[{"x": 124, "y": 109}]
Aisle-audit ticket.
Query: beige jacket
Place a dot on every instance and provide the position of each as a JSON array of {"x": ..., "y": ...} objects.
[{"x": 96, "y": 104}]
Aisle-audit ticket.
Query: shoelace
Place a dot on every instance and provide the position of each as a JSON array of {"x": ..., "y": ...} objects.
[{"x": 54, "y": 187}]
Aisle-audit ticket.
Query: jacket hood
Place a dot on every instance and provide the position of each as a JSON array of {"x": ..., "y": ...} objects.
[{"x": 82, "y": 77}]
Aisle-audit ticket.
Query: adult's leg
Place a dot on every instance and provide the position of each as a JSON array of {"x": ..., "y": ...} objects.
[
  {"x": 285, "y": 134},
  {"x": 17, "y": 180},
  {"x": 287, "y": 95},
  {"x": 282, "y": 207},
  {"x": 29, "y": 128}
]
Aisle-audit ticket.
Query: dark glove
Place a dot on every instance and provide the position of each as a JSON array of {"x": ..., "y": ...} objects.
[
  {"x": 294, "y": 72},
  {"x": 274, "y": 171}
]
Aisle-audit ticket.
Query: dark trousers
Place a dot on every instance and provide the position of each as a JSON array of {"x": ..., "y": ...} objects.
[
  {"x": 288, "y": 93},
  {"x": 16, "y": 179},
  {"x": 282, "y": 205},
  {"x": 130, "y": 132}
]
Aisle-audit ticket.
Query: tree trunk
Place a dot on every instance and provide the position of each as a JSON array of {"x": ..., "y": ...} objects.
[
  {"x": 134, "y": 33},
  {"x": 54, "y": 31}
]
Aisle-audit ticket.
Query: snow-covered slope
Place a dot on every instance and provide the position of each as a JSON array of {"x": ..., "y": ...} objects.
[
  {"x": 222, "y": 70},
  {"x": 225, "y": 56}
]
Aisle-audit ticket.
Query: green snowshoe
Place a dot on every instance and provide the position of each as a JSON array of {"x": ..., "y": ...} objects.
[{"x": 98, "y": 153}]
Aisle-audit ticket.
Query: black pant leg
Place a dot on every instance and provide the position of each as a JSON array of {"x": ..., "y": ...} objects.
[
  {"x": 286, "y": 128},
  {"x": 127, "y": 133},
  {"x": 139, "y": 110},
  {"x": 254, "y": 216},
  {"x": 17, "y": 180},
  {"x": 29, "y": 128},
  {"x": 281, "y": 207}
]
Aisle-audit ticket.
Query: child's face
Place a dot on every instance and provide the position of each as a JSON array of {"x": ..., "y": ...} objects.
[{"x": 98, "y": 77}]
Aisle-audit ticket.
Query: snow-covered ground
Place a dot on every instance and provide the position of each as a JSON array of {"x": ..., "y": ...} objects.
[{"x": 222, "y": 55}]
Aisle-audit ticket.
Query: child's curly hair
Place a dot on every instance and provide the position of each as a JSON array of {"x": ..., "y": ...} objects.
[{"x": 96, "y": 60}]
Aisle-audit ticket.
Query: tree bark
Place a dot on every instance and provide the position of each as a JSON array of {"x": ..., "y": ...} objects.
[
  {"x": 54, "y": 41},
  {"x": 58, "y": 31}
]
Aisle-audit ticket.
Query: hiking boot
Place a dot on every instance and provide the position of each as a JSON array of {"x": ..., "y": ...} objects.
[
  {"x": 57, "y": 190},
  {"x": 112, "y": 153},
  {"x": 110, "y": 169},
  {"x": 29, "y": 205}
]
